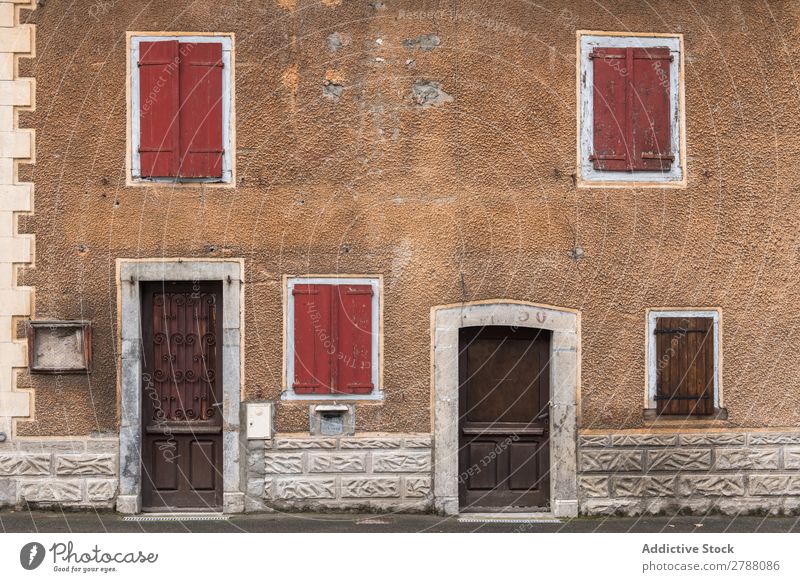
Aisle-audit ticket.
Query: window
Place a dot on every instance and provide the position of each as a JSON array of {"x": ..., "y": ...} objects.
[
  {"x": 631, "y": 113},
  {"x": 181, "y": 104},
  {"x": 333, "y": 347},
  {"x": 683, "y": 366}
]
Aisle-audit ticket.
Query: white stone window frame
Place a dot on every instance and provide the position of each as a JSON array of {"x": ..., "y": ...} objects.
[
  {"x": 588, "y": 177},
  {"x": 376, "y": 282},
  {"x": 228, "y": 118},
  {"x": 652, "y": 355}
]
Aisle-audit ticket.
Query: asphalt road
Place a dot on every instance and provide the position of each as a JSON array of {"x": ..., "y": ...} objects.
[{"x": 77, "y": 522}]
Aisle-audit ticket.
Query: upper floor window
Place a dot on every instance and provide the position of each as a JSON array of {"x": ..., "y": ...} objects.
[
  {"x": 631, "y": 113},
  {"x": 333, "y": 338},
  {"x": 181, "y": 108},
  {"x": 683, "y": 363}
]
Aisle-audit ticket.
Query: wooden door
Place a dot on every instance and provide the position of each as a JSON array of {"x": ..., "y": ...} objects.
[
  {"x": 182, "y": 396},
  {"x": 504, "y": 461}
]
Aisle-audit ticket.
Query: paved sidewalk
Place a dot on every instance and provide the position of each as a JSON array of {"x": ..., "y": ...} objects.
[{"x": 74, "y": 522}]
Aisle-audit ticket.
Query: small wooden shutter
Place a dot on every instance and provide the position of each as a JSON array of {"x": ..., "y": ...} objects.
[
  {"x": 201, "y": 110},
  {"x": 611, "y": 120},
  {"x": 685, "y": 365},
  {"x": 631, "y": 96},
  {"x": 158, "y": 109},
  {"x": 313, "y": 339},
  {"x": 354, "y": 349}
]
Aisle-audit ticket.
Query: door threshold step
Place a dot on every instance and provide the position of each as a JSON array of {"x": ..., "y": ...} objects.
[
  {"x": 188, "y": 516},
  {"x": 507, "y": 518}
]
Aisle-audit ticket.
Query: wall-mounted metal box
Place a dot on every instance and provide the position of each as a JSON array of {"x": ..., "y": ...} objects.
[
  {"x": 332, "y": 419},
  {"x": 60, "y": 347},
  {"x": 259, "y": 420}
]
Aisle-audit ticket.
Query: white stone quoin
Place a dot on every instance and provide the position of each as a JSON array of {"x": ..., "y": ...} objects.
[{"x": 15, "y": 249}]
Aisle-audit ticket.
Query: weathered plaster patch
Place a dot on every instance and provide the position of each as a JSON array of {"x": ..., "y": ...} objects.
[{"x": 429, "y": 93}]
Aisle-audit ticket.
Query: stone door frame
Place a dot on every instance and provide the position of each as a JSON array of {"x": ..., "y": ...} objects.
[
  {"x": 446, "y": 320},
  {"x": 130, "y": 273}
]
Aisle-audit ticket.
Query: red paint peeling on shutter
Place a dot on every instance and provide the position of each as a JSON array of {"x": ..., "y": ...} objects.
[
  {"x": 650, "y": 123},
  {"x": 610, "y": 109},
  {"x": 313, "y": 339},
  {"x": 159, "y": 154},
  {"x": 354, "y": 347},
  {"x": 201, "y": 110},
  {"x": 631, "y": 109}
]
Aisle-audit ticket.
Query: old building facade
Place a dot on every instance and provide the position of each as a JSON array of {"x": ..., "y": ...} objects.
[{"x": 405, "y": 256}]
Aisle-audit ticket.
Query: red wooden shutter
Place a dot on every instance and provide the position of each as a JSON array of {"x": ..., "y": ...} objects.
[
  {"x": 685, "y": 365},
  {"x": 158, "y": 109},
  {"x": 354, "y": 347},
  {"x": 631, "y": 109},
  {"x": 201, "y": 110},
  {"x": 313, "y": 339},
  {"x": 650, "y": 123},
  {"x": 611, "y": 120}
]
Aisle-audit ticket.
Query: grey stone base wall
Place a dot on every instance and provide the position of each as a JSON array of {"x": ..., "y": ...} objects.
[
  {"x": 730, "y": 473},
  {"x": 347, "y": 473},
  {"x": 69, "y": 473}
]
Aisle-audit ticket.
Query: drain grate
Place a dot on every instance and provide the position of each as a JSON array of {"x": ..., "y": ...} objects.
[{"x": 177, "y": 517}]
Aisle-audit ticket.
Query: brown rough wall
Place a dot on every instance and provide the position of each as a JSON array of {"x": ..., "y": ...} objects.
[{"x": 465, "y": 200}]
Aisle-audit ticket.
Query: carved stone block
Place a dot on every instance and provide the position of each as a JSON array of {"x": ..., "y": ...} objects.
[
  {"x": 85, "y": 465},
  {"x": 712, "y": 485},
  {"x": 721, "y": 439},
  {"x": 774, "y": 485},
  {"x": 302, "y": 488},
  {"x": 371, "y": 487},
  {"x": 761, "y": 438},
  {"x": 418, "y": 486},
  {"x": 594, "y": 440},
  {"x": 593, "y": 486},
  {"x": 290, "y": 443},
  {"x": 24, "y": 464},
  {"x": 747, "y": 459},
  {"x": 101, "y": 490},
  {"x": 643, "y": 486},
  {"x": 419, "y": 442},
  {"x": 53, "y": 491},
  {"x": 611, "y": 461},
  {"x": 283, "y": 463},
  {"x": 401, "y": 462},
  {"x": 791, "y": 458},
  {"x": 679, "y": 460},
  {"x": 644, "y": 440},
  {"x": 370, "y": 443},
  {"x": 337, "y": 463}
]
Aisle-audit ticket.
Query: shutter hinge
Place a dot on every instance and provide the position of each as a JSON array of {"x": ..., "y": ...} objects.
[
  {"x": 655, "y": 156},
  {"x": 620, "y": 157}
]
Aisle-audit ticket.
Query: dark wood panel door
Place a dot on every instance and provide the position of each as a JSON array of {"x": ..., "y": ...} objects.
[
  {"x": 182, "y": 396},
  {"x": 504, "y": 392}
]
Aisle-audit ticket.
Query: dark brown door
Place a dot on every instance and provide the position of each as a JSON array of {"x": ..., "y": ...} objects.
[
  {"x": 182, "y": 396},
  {"x": 504, "y": 461}
]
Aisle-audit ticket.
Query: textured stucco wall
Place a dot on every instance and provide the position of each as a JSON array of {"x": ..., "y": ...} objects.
[{"x": 466, "y": 199}]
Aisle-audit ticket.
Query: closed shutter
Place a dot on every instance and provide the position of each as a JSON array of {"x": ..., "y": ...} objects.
[
  {"x": 631, "y": 96},
  {"x": 159, "y": 154},
  {"x": 201, "y": 110},
  {"x": 650, "y": 122},
  {"x": 611, "y": 119},
  {"x": 685, "y": 365},
  {"x": 313, "y": 339},
  {"x": 354, "y": 348}
]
